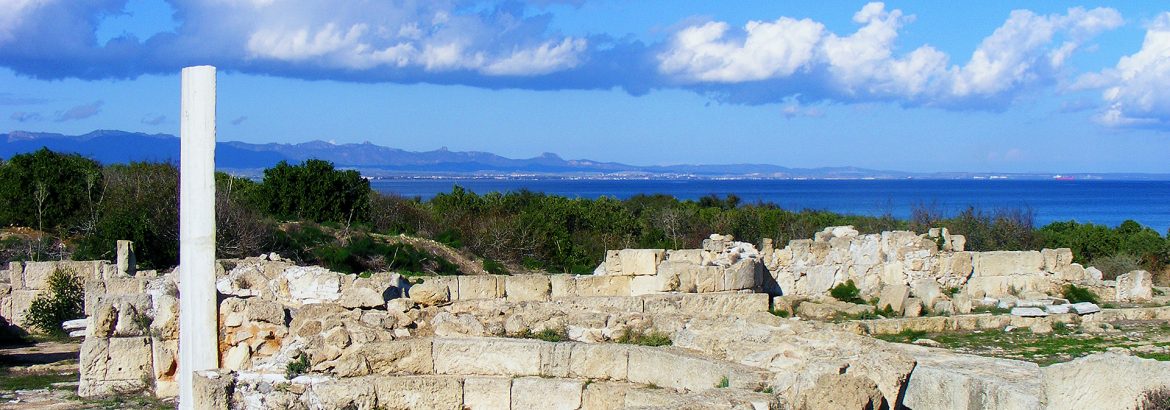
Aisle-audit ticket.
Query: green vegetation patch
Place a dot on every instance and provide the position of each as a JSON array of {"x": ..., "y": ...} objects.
[
  {"x": 652, "y": 338},
  {"x": 847, "y": 292},
  {"x": 12, "y": 381},
  {"x": 64, "y": 301}
]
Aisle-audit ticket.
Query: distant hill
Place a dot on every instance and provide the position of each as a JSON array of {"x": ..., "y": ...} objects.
[{"x": 111, "y": 146}]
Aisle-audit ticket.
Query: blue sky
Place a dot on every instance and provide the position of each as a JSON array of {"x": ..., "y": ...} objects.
[{"x": 906, "y": 85}]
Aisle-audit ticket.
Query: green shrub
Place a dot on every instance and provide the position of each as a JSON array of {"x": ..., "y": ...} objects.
[
  {"x": 63, "y": 301},
  {"x": 780, "y": 312},
  {"x": 494, "y": 267},
  {"x": 1156, "y": 399},
  {"x": 1113, "y": 266},
  {"x": 723, "y": 383},
  {"x": 551, "y": 335},
  {"x": 847, "y": 292},
  {"x": 297, "y": 367},
  {"x": 450, "y": 238},
  {"x": 652, "y": 338},
  {"x": 1077, "y": 294}
]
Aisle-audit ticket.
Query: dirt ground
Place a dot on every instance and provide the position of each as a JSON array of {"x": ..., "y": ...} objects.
[{"x": 44, "y": 374}]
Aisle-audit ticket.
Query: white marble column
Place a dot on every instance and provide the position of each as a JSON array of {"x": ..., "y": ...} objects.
[{"x": 198, "y": 334}]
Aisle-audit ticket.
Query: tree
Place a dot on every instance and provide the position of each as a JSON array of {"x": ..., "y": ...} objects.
[
  {"x": 142, "y": 205},
  {"x": 315, "y": 191},
  {"x": 48, "y": 189}
]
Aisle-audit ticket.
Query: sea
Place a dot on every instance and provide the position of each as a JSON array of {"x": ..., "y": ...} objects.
[{"x": 1107, "y": 202}]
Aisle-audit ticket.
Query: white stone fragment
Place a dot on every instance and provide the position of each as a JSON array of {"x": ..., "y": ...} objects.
[
  {"x": 1084, "y": 308},
  {"x": 1029, "y": 312}
]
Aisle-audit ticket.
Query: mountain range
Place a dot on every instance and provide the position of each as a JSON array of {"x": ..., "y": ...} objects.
[{"x": 112, "y": 146}]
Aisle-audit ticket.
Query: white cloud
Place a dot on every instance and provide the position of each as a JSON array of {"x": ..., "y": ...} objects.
[
  {"x": 13, "y": 13},
  {"x": 547, "y": 58},
  {"x": 863, "y": 65},
  {"x": 1135, "y": 91},
  {"x": 769, "y": 49}
]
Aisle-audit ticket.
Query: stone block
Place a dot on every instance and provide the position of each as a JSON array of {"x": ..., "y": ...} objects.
[
  {"x": 19, "y": 302},
  {"x": 744, "y": 274},
  {"x": 480, "y": 287},
  {"x": 361, "y": 297},
  {"x": 487, "y": 393},
  {"x": 16, "y": 275},
  {"x": 552, "y": 394},
  {"x": 488, "y": 356},
  {"x": 563, "y": 286},
  {"x": 691, "y": 256},
  {"x": 212, "y": 389},
  {"x": 646, "y": 285},
  {"x": 707, "y": 305},
  {"x": 604, "y": 396},
  {"x": 591, "y": 285},
  {"x": 927, "y": 290},
  {"x": 634, "y": 262},
  {"x": 347, "y": 393},
  {"x": 400, "y": 356},
  {"x": 913, "y": 308},
  {"x": 895, "y": 296},
  {"x": 1029, "y": 312},
  {"x": 311, "y": 284},
  {"x": 527, "y": 288},
  {"x": 674, "y": 369},
  {"x": 1084, "y": 308},
  {"x": 1007, "y": 263},
  {"x": 1057, "y": 309},
  {"x": 123, "y": 358},
  {"x": 1135, "y": 286},
  {"x": 36, "y": 274},
  {"x": 433, "y": 291},
  {"x": 419, "y": 392},
  {"x": 599, "y": 361}
]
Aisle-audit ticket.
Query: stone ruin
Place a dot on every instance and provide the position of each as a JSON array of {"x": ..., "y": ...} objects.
[{"x": 455, "y": 342}]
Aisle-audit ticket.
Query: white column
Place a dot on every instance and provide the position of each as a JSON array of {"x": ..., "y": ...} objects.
[{"x": 198, "y": 333}]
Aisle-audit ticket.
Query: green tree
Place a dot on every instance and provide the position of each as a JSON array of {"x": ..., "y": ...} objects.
[
  {"x": 48, "y": 190},
  {"x": 141, "y": 205},
  {"x": 315, "y": 191}
]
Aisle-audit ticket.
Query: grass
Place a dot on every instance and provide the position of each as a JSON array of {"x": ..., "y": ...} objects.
[
  {"x": 12, "y": 382},
  {"x": 995, "y": 310},
  {"x": 780, "y": 312},
  {"x": 652, "y": 338},
  {"x": 297, "y": 367},
  {"x": 548, "y": 335},
  {"x": 1077, "y": 294},
  {"x": 723, "y": 383},
  {"x": 128, "y": 402},
  {"x": 1063, "y": 344}
]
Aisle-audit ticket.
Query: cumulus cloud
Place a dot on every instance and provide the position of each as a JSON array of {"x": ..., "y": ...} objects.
[
  {"x": 80, "y": 112},
  {"x": 1028, "y": 49},
  {"x": 21, "y": 116},
  {"x": 1135, "y": 91},
  {"x": 509, "y": 44}
]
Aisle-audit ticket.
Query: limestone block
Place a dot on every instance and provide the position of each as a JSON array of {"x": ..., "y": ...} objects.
[
  {"x": 599, "y": 361},
  {"x": 361, "y": 297},
  {"x": 1029, "y": 312},
  {"x": 164, "y": 358},
  {"x": 590, "y": 285},
  {"x": 604, "y": 396},
  {"x": 488, "y": 356},
  {"x": 16, "y": 275},
  {"x": 555, "y": 359},
  {"x": 691, "y": 256},
  {"x": 1135, "y": 286},
  {"x": 707, "y": 305},
  {"x": 124, "y": 358},
  {"x": 238, "y": 357},
  {"x": 480, "y": 287},
  {"x": 552, "y": 394},
  {"x": 843, "y": 391},
  {"x": 433, "y": 291},
  {"x": 419, "y": 392},
  {"x": 563, "y": 286},
  {"x": 745, "y": 274},
  {"x": 1094, "y": 273},
  {"x": 447, "y": 324},
  {"x": 817, "y": 280},
  {"x": 125, "y": 285},
  {"x": 913, "y": 308},
  {"x": 1056, "y": 260},
  {"x": 830, "y": 309},
  {"x": 311, "y": 284},
  {"x": 487, "y": 393},
  {"x": 1102, "y": 381},
  {"x": 943, "y": 307},
  {"x": 926, "y": 290},
  {"x": 1074, "y": 272},
  {"x": 645, "y": 285},
  {"x": 963, "y": 303},
  {"x": 212, "y": 389},
  {"x": 674, "y": 369},
  {"x": 347, "y": 393},
  {"x": 1007, "y": 263},
  {"x": 1057, "y": 309},
  {"x": 527, "y": 288},
  {"x": 638, "y": 261},
  {"x": 894, "y": 296},
  {"x": 1084, "y": 308},
  {"x": 945, "y": 380},
  {"x": 36, "y": 274},
  {"x": 19, "y": 302},
  {"x": 957, "y": 243}
]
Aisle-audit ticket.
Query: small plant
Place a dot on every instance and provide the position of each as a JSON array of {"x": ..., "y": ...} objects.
[
  {"x": 847, "y": 292},
  {"x": 652, "y": 338},
  {"x": 297, "y": 367},
  {"x": 780, "y": 312},
  {"x": 1077, "y": 294},
  {"x": 953, "y": 290},
  {"x": 494, "y": 267},
  {"x": 551, "y": 335},
  {"x": 1156, "y": 399},
  {"x": 1060, "y": 328},
  {"x": 886, "y": 311},
  {"x": 64, "y": 301},
  {"x": 723, "y": 383},
  {"x": 767, "y": 390}
]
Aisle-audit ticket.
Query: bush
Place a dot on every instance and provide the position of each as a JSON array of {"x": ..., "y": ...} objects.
[
  {"x": 653, "y": 338},
  {"x": 297, "y": 367},
  {"x": 847, "y": 292},
  {"x": 1116, "y": 265},
  {"x": 64, "y": 301},
  {"x": 552, "y": 335},
  {"x": 47, "y": 190},
  {"x": 494, "y": 267},
  {"x": 1156, "y": 399},
  {"x": 315, "y": 191},
  {"x": 1077, "y": 294}
]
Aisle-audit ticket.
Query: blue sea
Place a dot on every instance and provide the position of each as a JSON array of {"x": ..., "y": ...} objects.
[{"x": 1100, "y": 202}]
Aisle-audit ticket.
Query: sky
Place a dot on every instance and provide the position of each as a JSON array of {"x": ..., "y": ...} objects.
[{"x": 981, "y": 86}]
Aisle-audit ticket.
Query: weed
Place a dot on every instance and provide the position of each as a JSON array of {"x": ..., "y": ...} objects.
[
  {"x": 495, "y": 267},
  {"x": 905, "y": 336},
  {"x": 780, "y": 312},
  {"x": 640, "y": 337},
  {"x": 767, "y": 390},
  {"x": 1158, "y": 398},
  {"x": 552, "y": 335},
  {"x": 62, "y": 302},
  {"x": 297, "y": 367},
  {"x": 723, "y": 383},
  {"x": 1077, "y": 294},
  {"x": 33, "y": 381},
  {"x": 847, "y": 292}
]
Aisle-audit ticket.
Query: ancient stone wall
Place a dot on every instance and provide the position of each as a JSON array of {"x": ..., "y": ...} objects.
[{"x": 22, "y": 282}]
